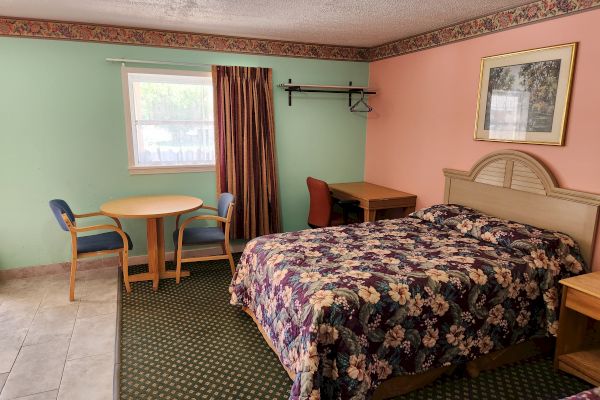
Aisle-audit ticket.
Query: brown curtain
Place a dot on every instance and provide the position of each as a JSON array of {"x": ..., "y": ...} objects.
[{"x": 245, "y": 148}]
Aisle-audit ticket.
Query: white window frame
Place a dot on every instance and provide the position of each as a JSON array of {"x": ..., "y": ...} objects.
[{"x": 130, "y": 117}]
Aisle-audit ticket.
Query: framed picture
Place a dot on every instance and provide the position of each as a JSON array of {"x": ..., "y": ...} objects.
[{"x": 524, "y": 96}]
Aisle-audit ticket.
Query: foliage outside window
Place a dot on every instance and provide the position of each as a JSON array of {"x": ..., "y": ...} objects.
[{"x": 170, "y": 120}]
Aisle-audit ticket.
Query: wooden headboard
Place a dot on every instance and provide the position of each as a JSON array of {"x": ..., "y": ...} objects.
[{"x": 513, "y": 185}]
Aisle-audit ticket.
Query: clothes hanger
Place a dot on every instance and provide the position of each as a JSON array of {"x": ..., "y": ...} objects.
[{"x": 364, "y": 103}]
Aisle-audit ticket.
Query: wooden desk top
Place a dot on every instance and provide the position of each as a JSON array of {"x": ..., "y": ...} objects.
[
  {"x": 586, "y": 283},
  {"x": 370, "y": 191},
  {"x": 373, "y": 197},
  {"x": 150, "y": 206}
]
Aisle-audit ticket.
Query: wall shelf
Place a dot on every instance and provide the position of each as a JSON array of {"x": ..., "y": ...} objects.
[{"x": 310, "y": 88}]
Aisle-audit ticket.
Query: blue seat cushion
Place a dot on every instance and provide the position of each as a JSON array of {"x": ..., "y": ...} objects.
[
  {"x": 101, "y": 241},
  {"x": 200, "y": 235}
]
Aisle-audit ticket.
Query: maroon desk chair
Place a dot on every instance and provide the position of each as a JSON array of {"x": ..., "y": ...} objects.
[{"x": 326, "y": 210}]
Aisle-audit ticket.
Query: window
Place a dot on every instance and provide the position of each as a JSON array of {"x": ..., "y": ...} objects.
[{"x": 170, "y": 125}]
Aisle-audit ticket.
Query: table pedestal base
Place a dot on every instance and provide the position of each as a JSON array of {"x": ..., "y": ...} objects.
[{"x": 156, "y": 255}]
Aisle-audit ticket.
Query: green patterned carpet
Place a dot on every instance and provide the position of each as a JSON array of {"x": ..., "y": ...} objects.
[{"x": 186, "y": 342}]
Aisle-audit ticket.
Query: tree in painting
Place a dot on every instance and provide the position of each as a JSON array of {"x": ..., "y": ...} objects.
[{"x": 522, "y": 97}]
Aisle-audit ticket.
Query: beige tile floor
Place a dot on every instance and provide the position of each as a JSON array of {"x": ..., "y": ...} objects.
[{"x": 51, "y": 348}]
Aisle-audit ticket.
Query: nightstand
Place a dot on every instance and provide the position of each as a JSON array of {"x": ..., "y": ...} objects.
[{"x": 580, "y": 307}]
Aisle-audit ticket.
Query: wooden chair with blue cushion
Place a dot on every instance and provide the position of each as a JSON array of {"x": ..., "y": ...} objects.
[
  {"x": 92, "y": 245},
  {"x": 200, "y": 235}
]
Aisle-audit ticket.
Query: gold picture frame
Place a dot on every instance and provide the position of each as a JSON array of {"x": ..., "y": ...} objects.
[{"x": 524, "y": 96}]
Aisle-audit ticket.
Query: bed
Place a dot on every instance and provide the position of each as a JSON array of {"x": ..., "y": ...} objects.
[
  {"x": 592, "y": 394},
  {"x": 378, "y": 309}
]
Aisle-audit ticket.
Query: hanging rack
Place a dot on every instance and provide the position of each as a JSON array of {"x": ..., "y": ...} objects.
[{"x": 308, "y": 88}]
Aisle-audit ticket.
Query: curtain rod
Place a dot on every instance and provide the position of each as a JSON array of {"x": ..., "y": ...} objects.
[{"x": 181, "y": 64}]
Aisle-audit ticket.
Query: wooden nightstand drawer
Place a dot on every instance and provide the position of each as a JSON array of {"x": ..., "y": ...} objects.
[{"x": 583, "y": 303}]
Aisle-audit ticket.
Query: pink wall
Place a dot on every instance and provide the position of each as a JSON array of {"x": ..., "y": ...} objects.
[{"x": 425, "y": 111}]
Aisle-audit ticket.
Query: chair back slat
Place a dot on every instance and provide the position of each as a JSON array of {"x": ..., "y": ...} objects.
[
  {"x": 225, "y": 199},
  {"x": 60, "y": 207}
]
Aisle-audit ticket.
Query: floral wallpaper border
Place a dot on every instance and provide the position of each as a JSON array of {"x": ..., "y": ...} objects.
[
  {"x": 530, "y": 13},
  {"x": 181, "y": 40},
  {"x": 527, "y": 14}
]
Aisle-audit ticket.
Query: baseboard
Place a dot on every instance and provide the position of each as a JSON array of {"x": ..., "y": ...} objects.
[{"x": 106, "y": 262}]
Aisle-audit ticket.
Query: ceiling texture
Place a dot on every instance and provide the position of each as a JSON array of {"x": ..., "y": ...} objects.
[{"x": 332, "y": 22}]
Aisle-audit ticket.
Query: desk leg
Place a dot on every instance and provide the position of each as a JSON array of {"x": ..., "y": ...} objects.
[
  {"x": 153, "y": 257},
  {"x": 370, "y": 215}
]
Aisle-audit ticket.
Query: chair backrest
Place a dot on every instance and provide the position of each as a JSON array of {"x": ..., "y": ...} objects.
[
  {"x": 321, "y": 202},
  {"x": 60, "y": 207},
  {"x": 225, "y": 199}
]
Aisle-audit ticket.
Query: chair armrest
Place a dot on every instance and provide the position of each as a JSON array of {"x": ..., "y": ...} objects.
[
  {"x": 92, "y": 214},
  {"x": 178, "y": 218},
  {"x": 196, "y": 218},
  {"x": 98, "y": 214},
  {"x": 107, "y": 227},
  {"x": 202, "y": 218},
  {"x": 209, "y": 208},
  {"x": 96, "y": 228}
]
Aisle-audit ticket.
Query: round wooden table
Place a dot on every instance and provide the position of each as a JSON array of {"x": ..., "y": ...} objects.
[{"x": 153, "y": 209}]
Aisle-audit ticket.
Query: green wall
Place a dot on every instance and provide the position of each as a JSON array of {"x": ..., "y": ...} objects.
[{"x": 62, "y": 134}]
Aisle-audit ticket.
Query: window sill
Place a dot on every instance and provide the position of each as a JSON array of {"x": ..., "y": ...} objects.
[{"x": 175, "y": 169}]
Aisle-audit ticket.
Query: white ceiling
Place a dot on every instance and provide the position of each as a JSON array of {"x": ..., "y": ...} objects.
[{"x": 340, "y": 22}]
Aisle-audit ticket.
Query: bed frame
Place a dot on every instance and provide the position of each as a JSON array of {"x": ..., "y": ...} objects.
[{"x": 512, "y": 185}]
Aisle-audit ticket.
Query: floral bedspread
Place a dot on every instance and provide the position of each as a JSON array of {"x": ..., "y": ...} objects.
[
  {"x": 348, "y": 307},
  {"x": 592, "y": 394}
]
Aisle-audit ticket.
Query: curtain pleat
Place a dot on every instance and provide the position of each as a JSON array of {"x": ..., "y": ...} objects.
[{"x": 245, "y": 148}]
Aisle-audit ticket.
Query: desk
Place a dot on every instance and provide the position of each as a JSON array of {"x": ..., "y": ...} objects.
[
  {"x": 153, "y": 209},
  {"x": 374, "y": 197}
]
